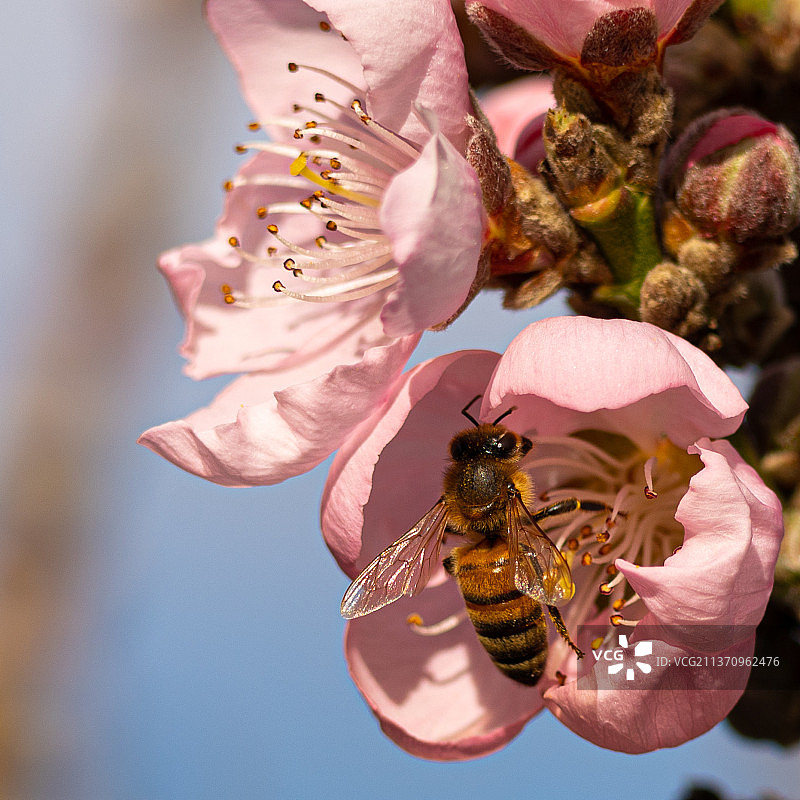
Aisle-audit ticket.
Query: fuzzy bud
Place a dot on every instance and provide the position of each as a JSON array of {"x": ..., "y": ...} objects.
[
  {"x": 674, "y": 299},
  {"x": 736, "y": 175},
  {"x": 529, "y": 238},
  {"x": 581, "y": 167}
]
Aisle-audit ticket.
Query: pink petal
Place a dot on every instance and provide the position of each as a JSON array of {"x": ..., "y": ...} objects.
[
  {"x": 228, "y": 339},
  {"x": 722, "y": 575},
  {"x": 679, "y": 20},
  {"x": 668, "y": 707},
  {"x": 439, "y": 697},
  {"x": 411, "y": 52},
  {"x": 511, "y": 107},
  {"x": 567, "y": 373},
  {"x": 669, "y": 13},
  {"x": 434, "y": 217},
  {"x": 261, "y": 38},
  {"x": 264, "y": 428}
]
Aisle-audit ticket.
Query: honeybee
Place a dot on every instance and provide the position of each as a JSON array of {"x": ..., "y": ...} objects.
[{"x": 508, "y": 570}]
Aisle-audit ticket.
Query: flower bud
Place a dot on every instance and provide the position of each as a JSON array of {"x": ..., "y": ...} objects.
[
  {"x": 587, "y": 166},
  {"x": 674, "y": 299},
  {"x": 736, "y": 176},
  {"x": 581, "y": 167},
  {"x": 530, "y": 241}
]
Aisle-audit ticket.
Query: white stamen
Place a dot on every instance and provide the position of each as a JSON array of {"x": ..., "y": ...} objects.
[
  {"x": 345, "y": 159},
  {"x": 359, "y": 269},
  {"x": 622, "y": 495},
  {"x": 649, "y": 492},
  {"x": 351, "y": 212},
  {"x": 617, "y": 579},
  {"x": 341, "y": 81},
  {"x": 338, "y": 255},
  {"x": 438, "y": 628},
  {"x": 634, "y": 598},
  {"x": 375, "y": 149},
  {"x": 371, "y": 284},
  {"x": 385, "y": 133},
  {"x": 576, "y": 443},
  {"x": 267, "y": 180}
]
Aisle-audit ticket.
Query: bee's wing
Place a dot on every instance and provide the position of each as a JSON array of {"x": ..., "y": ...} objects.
[
  {"x": 401, "y": 569},
  {"x": 540, "y": 570}
]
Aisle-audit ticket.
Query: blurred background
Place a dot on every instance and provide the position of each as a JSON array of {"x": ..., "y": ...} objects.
[{"x": 160, "y": 636}]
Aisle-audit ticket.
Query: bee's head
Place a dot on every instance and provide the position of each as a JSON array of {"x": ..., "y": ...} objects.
[{"x": 488, "y": 440}]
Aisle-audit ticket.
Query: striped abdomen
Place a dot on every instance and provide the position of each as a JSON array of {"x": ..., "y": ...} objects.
[{"x": 510, "y": 625}]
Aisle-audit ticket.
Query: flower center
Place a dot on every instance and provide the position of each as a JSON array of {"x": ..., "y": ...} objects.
[
  {"x": 350, "y": 160},
  {"x": 643, "y": 489}
]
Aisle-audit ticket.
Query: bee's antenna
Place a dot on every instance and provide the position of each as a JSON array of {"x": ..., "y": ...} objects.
[
  {"x": 504, "y": 414},
  {"x": 467, "y": 414}
]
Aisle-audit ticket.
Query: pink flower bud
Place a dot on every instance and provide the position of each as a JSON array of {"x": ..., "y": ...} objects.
[{"x": 737, "y": 176}]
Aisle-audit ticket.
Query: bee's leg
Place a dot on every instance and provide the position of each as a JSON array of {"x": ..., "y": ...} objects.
[
  {"x": 558, "y": 621},
  {"x": 567, "y": 506}
]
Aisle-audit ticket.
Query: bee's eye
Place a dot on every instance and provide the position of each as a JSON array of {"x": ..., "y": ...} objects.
[
  {"x": 506, "y": 444},
  {"x": 458, "y": 450}
]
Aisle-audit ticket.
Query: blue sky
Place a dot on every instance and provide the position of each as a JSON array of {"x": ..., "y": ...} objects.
[{"x": 203, "y": 655}]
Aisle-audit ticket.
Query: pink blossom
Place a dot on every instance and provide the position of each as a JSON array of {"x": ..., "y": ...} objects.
[
  {"x": 539, "y": 34},
  {"x": 701, "y": 552},
  {"x": 355, "y": 226}
]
